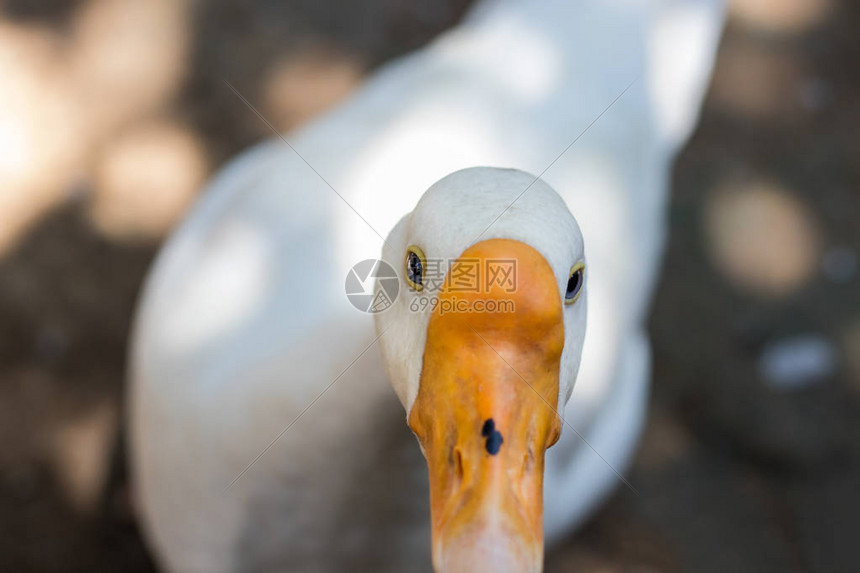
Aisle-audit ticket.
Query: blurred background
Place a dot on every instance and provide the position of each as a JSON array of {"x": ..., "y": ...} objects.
[{"x": 114, "y": 112}]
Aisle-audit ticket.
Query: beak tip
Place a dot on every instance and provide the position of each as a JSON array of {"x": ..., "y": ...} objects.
[{"x": 489, "y": 549}]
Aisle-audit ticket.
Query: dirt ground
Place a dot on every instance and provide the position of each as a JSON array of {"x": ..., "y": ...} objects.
[{"x": 741, "y": 468}]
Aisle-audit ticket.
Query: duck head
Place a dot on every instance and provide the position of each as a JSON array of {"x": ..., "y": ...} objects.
[{"x": 482, "y": 347}]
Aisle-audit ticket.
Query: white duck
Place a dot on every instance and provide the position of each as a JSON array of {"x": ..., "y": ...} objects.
[{"x": 264, "y": 433}]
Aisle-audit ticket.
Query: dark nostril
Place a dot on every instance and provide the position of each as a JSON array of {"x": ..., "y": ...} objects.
[
  {"x": 488, "y": 427},
  {"x": 494, "y": 437}
]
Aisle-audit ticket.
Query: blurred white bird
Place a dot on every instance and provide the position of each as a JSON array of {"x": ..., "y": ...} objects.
[{"x": 264, "y": 433}]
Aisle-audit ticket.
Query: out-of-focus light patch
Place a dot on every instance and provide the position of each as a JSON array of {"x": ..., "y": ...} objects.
[
  {"x": 671, "y": 82},
  {"x": 756, "y": 81},
  {"x": 530, "y": 72},
  {"x": 57, "y": 98},
  {"x": 839, "y": 265},
  {"x": 392, "y": 171},
  {"x": 81, "y": 455},
  {"x": 780, "y": 16},
  {"x": 798, "y": 362},
  {"x": 307, "y": 84},
  {"x": 39, "y": 123},
  {"x": 851, "y": 346},
  {"x": 761, "y": 238},
  {"x": 128, "y": 57},
  {"x": 145, "y": 179},
  {"x": 226, "y": 286}
]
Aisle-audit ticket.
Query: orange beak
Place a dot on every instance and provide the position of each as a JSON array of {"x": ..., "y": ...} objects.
[{"x": 485, "y": 412}]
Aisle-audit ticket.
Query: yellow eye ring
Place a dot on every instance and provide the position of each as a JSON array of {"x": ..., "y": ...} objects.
[
  {"x": 415, "y": 263},
  {"x": 575, "y": 282}
]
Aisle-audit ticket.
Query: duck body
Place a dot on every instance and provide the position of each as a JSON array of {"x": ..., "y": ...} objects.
[{"x": 264, "y": 432}]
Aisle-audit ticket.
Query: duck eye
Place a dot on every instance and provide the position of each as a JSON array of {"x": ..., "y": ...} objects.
[
  {"x": 415, "y": 267},
  {"x": 574, "y": 283}
]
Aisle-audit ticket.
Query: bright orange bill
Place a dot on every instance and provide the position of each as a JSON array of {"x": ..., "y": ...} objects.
[{"x": 486, "y": 409}]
